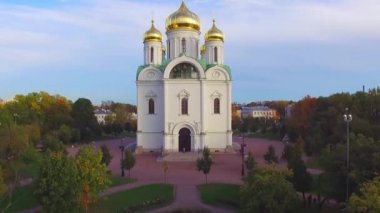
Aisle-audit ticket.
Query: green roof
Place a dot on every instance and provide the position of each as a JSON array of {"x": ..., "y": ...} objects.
[{"x": 202, "y": 62}]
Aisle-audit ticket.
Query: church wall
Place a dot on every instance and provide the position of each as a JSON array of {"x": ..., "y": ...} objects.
[
  {"x": 192, "y": 87},
  {"x": 150, "y": 127}
]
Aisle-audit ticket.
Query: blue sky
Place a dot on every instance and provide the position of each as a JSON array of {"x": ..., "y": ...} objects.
[{"x": 277, "y": 49}]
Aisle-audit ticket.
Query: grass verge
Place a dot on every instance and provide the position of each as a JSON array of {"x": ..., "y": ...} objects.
[
  {"x": 116, "y": 181},
  {"x": 222, "y": 195},
  {"x": 22, "y": 198},
  {"x": 118, "y": 202}
]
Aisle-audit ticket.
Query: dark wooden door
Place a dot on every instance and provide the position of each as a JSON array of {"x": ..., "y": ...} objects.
[{"x": 184, "y": 140}]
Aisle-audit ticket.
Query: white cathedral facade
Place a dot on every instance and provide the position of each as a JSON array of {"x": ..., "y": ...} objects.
[{"x": 183, "y": 90}]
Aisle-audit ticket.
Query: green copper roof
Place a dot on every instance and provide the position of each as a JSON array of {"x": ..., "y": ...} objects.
[{"x": 165, "y": 63}]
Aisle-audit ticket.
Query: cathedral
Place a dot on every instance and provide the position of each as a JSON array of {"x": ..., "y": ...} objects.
[{"x": 183, "y": 89}]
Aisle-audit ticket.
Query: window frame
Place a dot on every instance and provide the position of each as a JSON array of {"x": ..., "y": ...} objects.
[
  {"x": 151, "y": 106},
  {"x": 184, "y": 106}
]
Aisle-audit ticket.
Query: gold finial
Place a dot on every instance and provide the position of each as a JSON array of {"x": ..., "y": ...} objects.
[
  {"x": 214, "y": 34},
  {"x": 153, "y": 34}
]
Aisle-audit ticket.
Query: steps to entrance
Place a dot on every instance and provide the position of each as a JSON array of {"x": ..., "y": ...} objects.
[{"x": 180, "y": 156}]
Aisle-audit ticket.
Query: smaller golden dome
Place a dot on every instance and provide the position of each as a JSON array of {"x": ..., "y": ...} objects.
[
  {"x": 152, "y": 34},
  {"x": 203, "y": 49},
  {"x": 183, "y": 19},
  {"x": 214, "y": 34}
]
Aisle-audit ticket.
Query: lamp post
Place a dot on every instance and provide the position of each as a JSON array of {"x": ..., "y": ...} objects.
[
  {"x": 242, "y": 156},
  {"x": 15, "y": 115},
  {"x": 347, "y": 118},
  {"x": 122, "y": 147}
]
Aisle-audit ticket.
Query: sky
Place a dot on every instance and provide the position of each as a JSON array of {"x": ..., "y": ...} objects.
[{"x": 277, "y": 49}]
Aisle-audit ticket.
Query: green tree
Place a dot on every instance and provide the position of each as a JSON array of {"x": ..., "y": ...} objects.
[
  {"x": 368, "y": 198},
  {"x": 52, "y": 143},
  {"x": 84, "y": 118},
  {"x": 301, "y": 178},
  {"x": 92, "y": 174},
  {"x": 250, "y": 162},
  {"x": 270, "y": 156},
  {"x": 106, "y": 155},
  {"x": 65, "y": 134},
  {"x": 128, "y": 162},
  {"x": 58, "y": 184},
  {"x": 268, "y": 190},
  {"x": 204, "y": 163}
]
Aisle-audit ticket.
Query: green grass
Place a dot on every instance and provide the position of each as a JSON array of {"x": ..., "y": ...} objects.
[
  {"x": 115, "y": 181},
  {"x": 225, "y": 195},
  {"x": 22, "y": 198},
  {"x": 119, "y": 201}
]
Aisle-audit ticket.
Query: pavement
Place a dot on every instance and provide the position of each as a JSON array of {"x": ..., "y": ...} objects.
[{"x": 226, "y": 168}]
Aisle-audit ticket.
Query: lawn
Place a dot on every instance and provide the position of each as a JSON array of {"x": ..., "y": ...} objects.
[
  {"x": 115, "y": 181},
  {"x": 22, "y": 198},
  {"x": 223, "y": 195},
  {"x": 122, "y": 200}
]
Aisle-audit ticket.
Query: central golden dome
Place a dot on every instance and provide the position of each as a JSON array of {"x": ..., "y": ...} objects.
[{"x": 183, "y": 19}]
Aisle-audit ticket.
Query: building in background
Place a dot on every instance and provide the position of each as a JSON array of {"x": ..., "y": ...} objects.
[
  {"x": 102, "y": 114},
  {"x": 259, "y": 112}
]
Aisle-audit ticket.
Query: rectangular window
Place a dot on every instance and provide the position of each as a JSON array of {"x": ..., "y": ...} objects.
[{"x": 184, "y": 106}]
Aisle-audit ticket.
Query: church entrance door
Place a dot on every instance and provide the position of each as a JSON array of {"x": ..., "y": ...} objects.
[{"x": 184, "y": 140}]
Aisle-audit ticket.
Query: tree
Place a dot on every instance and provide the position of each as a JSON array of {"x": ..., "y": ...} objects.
[
  {"x": 270, "y": 156},
  {"x": 250, "y": 162},
  {"x": 58, "y": 184},
  {"x": 84, "y": 118},
  {"x": 301, "y": 178},
  {"x": 268, "y": 190},
  {"x": 92, "y": 174},
  {"x": 165, "y": 168},
  {"x": 204, "y": 163},
  {"x": 106, "y": 155},
  {"x": 129, "y": 161},
  {"x": 368, "y": 198}
]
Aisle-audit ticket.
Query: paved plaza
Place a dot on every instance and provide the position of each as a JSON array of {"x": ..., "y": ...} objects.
[{"x": 226, "y": 168}]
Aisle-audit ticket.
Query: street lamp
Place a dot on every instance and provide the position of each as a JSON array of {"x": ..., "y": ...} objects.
[
  {"x": 122, "y": 147},
  {"x": 347, "y": 118},
  {"x": 15, "y": 115},
  {"x": 242, "y": 156}
]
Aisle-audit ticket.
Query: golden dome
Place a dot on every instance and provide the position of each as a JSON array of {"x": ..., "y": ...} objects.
[
  {"x": 203, "y": 49},
  {"x": 214, "y": 34},
  {"x": 183, "y": 19},
  {"x": 152, "y": 34}
]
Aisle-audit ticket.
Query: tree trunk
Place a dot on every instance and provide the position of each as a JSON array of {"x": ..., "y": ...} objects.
[{"x": 303, "y": 195}]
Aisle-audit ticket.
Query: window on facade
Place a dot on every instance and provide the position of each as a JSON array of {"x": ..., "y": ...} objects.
[
  {"x": 151, "y": 106},
  {"x": 168, "y": 49},
  {"x": 151, "y": 54},
  {"x": 184, "y": 107},
  {"x": 216, "y": 106},
  {"x": 184, "y": 70},
  {"x": 215, "y": 54},
  {"x": 183, "y": 42}
]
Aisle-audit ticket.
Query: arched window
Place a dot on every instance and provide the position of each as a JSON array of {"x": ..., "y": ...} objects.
[
  {"x": 183, "y": 45},
  {"x": 184, "y": 107},
  {"x": 215, "y": 54},
  {"x": 151, "y": 106},
  {"x": 216, "y": 106},
  {"x": 184, "y": 70},
  {"x": 151, "y": 54}
]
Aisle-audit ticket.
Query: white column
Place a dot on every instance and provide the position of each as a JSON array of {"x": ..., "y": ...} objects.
[{"x": 229, "y": 112}]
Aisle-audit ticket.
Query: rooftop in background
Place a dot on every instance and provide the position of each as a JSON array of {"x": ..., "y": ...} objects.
[{"x": 103, "y": 112}]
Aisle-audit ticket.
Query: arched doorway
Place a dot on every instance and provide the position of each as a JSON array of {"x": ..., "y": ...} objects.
[{"x": 184, "y": 140}]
